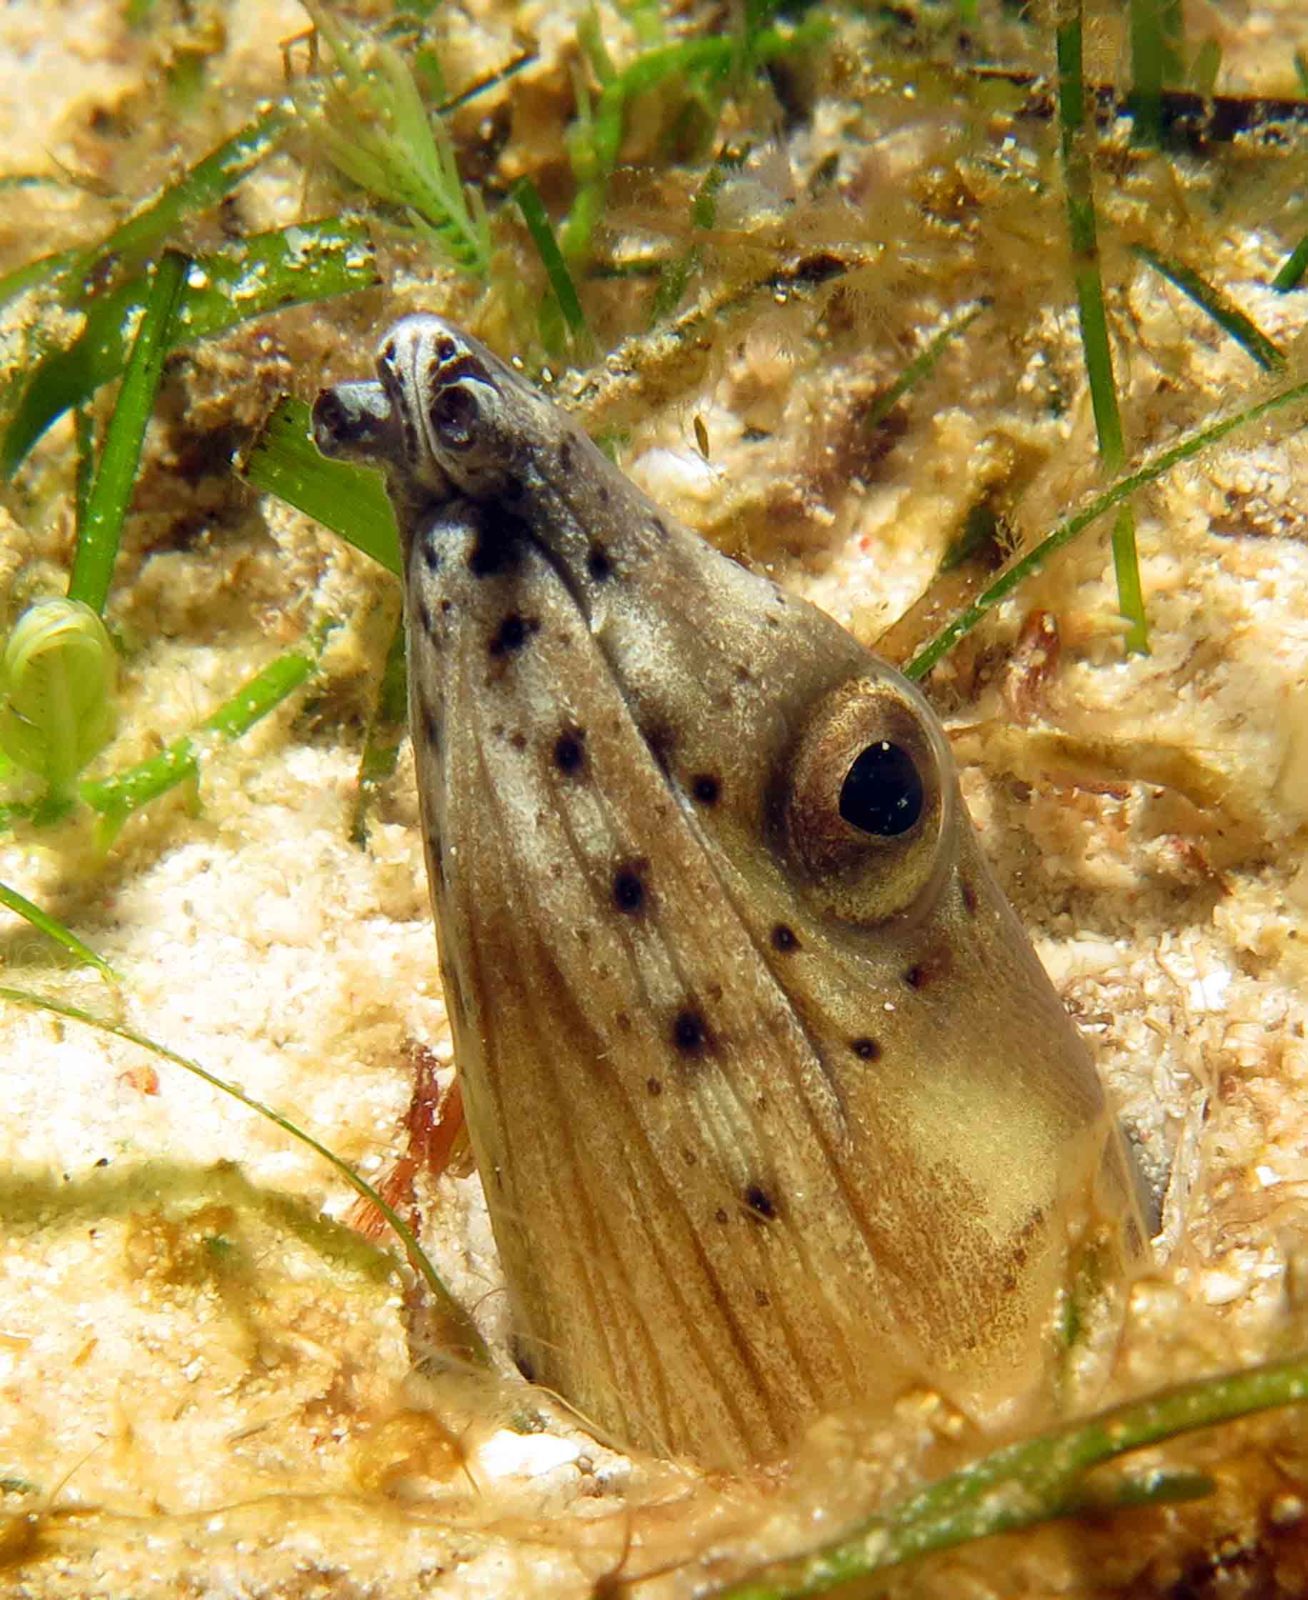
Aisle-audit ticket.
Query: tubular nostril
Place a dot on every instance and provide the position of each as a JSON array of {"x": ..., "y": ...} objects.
[
  {"x": 454, "y": 417},
  {"x": 330, "y": 419},
  {"x": 351, "y": 420}
]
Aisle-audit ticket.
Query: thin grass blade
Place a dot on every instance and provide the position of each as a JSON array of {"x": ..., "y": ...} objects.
[
  {"x": 529, "y": 203},
  {"x": 1036, "y": 1481},
  {"x": 106, "y": 504},
  {"x": 921, "y": 366},
  {"x": 84, "y": 441},
  {"x": 1219, "y": 306},
  {"x": 52, "y": 928},
  {"x": 1155, "y": 36},
  {"x": 117, "y": 797},
  {"x": 1074, "y": 144},
  {"x": 199, "y": 188},
  {"x": 1292, "y": 268},
  {"x": 45, "y": 269}
]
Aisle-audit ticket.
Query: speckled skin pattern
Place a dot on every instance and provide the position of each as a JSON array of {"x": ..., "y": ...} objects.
[{"x": 775, "y": 1114}]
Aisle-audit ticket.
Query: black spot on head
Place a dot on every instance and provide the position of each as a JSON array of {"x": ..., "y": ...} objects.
[
  {"x": 970, "y": 900},
  {"x": 599, "y": 563},
  {"x": 499, "y": 539},
  {"x": 784, "y": 938},
  {"x": 570, "y": 750},
  {"x": 565, "y": 455},
  {"x": 389, "y": 353},
  {"x": 431, "y": 556},
  {"x": 659, "y": 526},
  {"x": 760, "y": 1202},
  {"x": 487, "y": 557},
  {"x": 524, "y": 1364},
  {"x": 706, "y": 788},
  {"x": 690, "y": 1032},
  {"x": 761, "y": 1298},
  {"x": 603, "y": 494},
  {"x": 425, "y": 618},
  {"x": 924, "y": 973},
  {"x": 865, "y": 1048},
  {"x": 629, "y": 887},
  {"x": 513, "y": 632},
  {"x": 446, "y": 349},
  {"x": 654, "y": 1086},
  {"x": 720, "y": 1215}
]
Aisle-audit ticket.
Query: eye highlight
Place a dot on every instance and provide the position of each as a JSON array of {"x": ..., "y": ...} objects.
[
  {"x": 882, "y": 792},
  {"x": 869, "y": 796}
]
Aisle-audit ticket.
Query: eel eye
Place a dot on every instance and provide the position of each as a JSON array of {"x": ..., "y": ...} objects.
[
  {"x": 882, "y": 792},
  {"x": 869, "y": 800}
]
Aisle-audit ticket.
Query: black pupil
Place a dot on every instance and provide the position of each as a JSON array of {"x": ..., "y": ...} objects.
[{"x": 882, "y": 792}]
